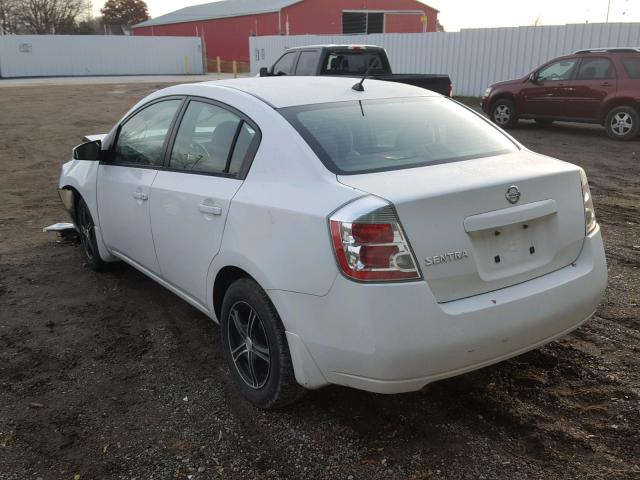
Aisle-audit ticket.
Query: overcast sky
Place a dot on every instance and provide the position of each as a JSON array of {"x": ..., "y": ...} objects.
[{"x": 457, "y": 14}]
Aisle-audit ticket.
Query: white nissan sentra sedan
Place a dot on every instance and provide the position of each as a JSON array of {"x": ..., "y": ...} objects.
[{"x": 379, "y": 239}]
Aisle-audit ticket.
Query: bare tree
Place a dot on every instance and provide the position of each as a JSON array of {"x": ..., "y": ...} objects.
[
  {"x": 49, "y": 16},
  {"x": 8, "y": 18}
]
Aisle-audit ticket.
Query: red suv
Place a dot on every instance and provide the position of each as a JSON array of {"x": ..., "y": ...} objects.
[{"x": 591, "y": 86}]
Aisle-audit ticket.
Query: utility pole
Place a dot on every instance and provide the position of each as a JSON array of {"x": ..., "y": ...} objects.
[{"x": 608, "y": 10}]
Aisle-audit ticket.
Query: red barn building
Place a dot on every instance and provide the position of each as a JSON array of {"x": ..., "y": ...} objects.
[{"x": 227, "y": 25}]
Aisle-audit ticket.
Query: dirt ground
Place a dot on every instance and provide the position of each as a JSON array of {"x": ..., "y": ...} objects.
[{"x": 111, "y": 376}]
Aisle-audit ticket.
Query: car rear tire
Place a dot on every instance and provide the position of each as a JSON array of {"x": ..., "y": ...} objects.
[
  {"x": 87, "y": 232},
  {"x": 255, "y": 347},
  {"x": 503, "y": 113},
  {"x": 623, "y": 123}
]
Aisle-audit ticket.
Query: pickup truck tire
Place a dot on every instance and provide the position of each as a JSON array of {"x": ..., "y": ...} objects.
[
  {"x": 623, "y": 123},
  {"x": 87, "y": 232},
  {"x": 255, "y": 347},
  {"x": 503, "y": 113}
]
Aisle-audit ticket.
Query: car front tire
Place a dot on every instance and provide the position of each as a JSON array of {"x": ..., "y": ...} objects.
[
  {"x": 503, "y": 113},
  {"x": 623, "y": 123},
  {"x": 86, "y": 229},
  {"x": 255, "y": 347}
]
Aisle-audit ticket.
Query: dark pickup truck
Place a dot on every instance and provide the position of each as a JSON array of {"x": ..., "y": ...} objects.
[{"x": 351, "y": 61}]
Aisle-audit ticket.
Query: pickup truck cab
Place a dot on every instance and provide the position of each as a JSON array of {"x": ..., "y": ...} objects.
[{"x": 351, "y": 61}]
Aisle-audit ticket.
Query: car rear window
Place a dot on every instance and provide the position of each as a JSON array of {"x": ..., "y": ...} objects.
[
  {"x": 380, "y": 135},
  {"x": 355, "y": 62},
  {"x": 632, "y": 66}
]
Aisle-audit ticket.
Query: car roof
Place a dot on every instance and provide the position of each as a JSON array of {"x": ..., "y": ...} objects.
[
  {"x": 290, "y": 91},
  {"x": 350, "y": 46}
]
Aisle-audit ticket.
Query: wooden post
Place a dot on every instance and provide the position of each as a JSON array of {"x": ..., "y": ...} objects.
[
  {"x": 235, "y": 69},
  {"x": 218, "y": 64}
]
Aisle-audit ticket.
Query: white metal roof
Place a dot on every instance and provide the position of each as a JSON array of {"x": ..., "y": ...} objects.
[
  {"x": 293, "y": 91},
  {"x": 219, "y": 9}
]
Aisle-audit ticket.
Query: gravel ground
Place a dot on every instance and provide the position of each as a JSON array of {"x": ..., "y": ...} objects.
[{"x": 110, "y": 376}]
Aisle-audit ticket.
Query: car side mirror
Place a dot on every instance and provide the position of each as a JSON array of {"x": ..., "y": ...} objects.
[
  {"x": 264, "y": 72},
  {"x": 533, "y": 78},
  {"x": 89, "y": 151}
]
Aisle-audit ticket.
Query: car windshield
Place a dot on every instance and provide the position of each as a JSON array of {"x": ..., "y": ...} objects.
[{"x": 379, "y": 135}]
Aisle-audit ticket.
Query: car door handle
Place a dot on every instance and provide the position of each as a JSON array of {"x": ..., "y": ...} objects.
[
  {"x": 140, "y": 196},
  {"x": 605, "y": 84},
  {"x": 210, "y": 209}
]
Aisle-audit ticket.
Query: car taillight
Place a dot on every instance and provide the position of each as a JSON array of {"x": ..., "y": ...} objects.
[
  {"x": 370, "y": 244},
  {"x": 451, "y": 90},
  {"x": 589, "y": 212}
]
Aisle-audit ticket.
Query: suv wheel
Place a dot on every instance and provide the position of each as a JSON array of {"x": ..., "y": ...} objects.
[
  {"x": 255, "y": 347},
  {"x": 503, "y": 113},
  {"x": 622, "y": 123}
]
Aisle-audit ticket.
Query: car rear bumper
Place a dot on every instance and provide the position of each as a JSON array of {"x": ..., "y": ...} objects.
[{"x": 396, "y": 338}]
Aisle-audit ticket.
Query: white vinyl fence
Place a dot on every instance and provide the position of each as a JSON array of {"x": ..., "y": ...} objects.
[
  {"x": 473, "y": 58},
  {"x": 82, "y": 55}
]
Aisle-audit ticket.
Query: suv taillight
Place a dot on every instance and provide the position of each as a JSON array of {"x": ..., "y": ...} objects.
[{"x": 370, "y": 244}]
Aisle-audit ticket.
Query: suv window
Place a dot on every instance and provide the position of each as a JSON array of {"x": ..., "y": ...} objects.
[
  {"x": 308, "y": 62},
  {"x": 206, "y": 136},
  {"x": 284, "y": 66},
  {"x": 557, "y": 71},
  {"x": 141, "y": 138},
  {"x": 632, "y": 66},
  {"x": 596, "y": 69}
]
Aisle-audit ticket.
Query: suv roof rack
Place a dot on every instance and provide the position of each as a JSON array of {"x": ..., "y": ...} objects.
[{"x": 610, "y": 50}]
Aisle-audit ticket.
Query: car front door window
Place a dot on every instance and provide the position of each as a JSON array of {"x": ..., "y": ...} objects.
[
  {"x": 558, "y": 71},
  {"x": 284, "y": 66},
  {"x": 141, "y": 138}
]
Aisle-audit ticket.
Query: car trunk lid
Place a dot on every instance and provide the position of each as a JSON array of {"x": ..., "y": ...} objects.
[{"x": 467, "y": 236}]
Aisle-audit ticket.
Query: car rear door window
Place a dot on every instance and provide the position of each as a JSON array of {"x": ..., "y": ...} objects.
[
  {"x": 284, "y": 66},
  {"x": 211, "y": 139},
  {"x": 141, "y": 138},
  {"x": 596, "y": 69},
  {"x": 242, "y": 149},
  {"x": 308, "y": 62},
  {"x": 557, "y": 71},
  {"x": 632, "y": 66}
]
